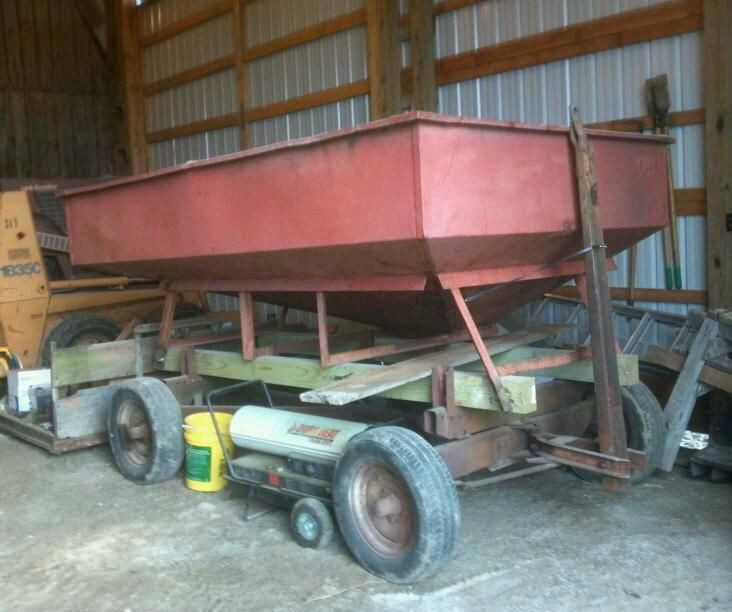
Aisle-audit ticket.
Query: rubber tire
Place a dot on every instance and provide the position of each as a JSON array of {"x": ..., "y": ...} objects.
[
  {"x": 436, "y": 506},
  {"x": 186, "y": 310},
  {"x": 320, "y": 514},
  {"x": 70, "y": 330},
  {"x": 646, "y": 431},
  {"x": 165, "y": 420}
]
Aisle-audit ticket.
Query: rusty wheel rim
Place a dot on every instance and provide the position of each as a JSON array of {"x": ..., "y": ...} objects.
[
  {"x": 134, "y": 433},
  {"x": 383, "y": 509}
]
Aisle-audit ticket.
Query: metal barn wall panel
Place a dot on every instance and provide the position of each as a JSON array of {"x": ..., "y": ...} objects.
[
  {"x": 204, "y": 43},
  {"x": 339, "y": 115},
  {"x": 164, "y": 12},
  {"x": 325, "y": 63},
  {"x": 606, "y": 85},
  {"x": 266, "y": 20}
]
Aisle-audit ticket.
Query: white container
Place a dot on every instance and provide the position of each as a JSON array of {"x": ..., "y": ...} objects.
[
  {"x": 281, "y": 432},
  {"x": 23, "y": 386}
]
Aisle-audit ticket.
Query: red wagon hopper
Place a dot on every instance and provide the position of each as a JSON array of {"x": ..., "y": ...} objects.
[{"x": 429, "y": 227}]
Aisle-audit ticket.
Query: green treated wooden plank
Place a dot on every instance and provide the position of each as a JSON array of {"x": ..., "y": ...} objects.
[
  {"x": 472, "y": 389},
  {"x": 97, "y": 362},
  {"x": 580, "y": 371}
]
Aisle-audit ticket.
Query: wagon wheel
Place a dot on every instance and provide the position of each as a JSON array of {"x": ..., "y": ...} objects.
[
  {"x": 134, "y": 432},
  {"x": 396, "y": 504},
  {"x": 145, "y": 431},
  {"x": 383, "y": 511}
]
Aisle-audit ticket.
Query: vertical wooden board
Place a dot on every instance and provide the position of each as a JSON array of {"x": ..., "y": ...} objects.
[
  {"x": 37, "y": 134},
  {"x": 4, "y": 78},
  {"x": 52, "y": 150},
  {"x": 7, "y": 136},
  {"x": 79, "y": 73},
  {"x": 77, "y": 134},
  {"x": 65, "y": 121},
  {"x": 13, "y": 51},
  {"x": 134, "y": 102},
  {"x": 98, "y": 70},
  {"x": 63, "y": 46},
  {"x": 46, "y": 58},
  {"x": 29, "y": 50},
  {"x": 20, "y": 125},
  {"x": 90, "y": 136},
  {"x": 718, "y": 149},
  {"x": 105, "y": 134}
]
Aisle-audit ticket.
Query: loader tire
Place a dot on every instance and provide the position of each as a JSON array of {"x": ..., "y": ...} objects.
[{"x": 79, "y": 329}]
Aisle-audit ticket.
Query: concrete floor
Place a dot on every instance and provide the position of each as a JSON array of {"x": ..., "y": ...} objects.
[{"x": 74, "y": 535}]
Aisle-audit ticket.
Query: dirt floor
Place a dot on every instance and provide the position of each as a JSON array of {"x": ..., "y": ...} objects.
[{"x": 74, "y": 535}]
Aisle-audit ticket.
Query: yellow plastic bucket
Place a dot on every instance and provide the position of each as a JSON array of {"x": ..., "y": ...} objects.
[{"x": 205, "y": 461}]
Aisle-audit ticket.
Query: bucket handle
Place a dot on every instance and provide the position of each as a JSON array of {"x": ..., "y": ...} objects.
[
  {"x": 194, "y": 428},
  {"x": 215, "y": 393}
]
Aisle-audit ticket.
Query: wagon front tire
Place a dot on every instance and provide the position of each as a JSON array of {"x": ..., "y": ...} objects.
[
  {"x": 145, "y": 431},
  {"x": 396, "y": 504},
  {"x": 645, "y": 430}
]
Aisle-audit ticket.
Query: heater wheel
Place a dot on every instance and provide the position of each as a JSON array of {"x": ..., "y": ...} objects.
[{"x": 311, "y": 523}]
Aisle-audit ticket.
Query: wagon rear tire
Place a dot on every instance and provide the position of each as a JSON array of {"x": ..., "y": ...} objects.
[
  {"x": 396, "y": 504},
  {"x": 145, "y": 431}
]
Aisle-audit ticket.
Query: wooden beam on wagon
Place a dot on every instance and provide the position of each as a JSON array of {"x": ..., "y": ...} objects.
[
  {"x": 680, "y": 405},
  {"x": 377, "y": 381},
  {"x": 384, "y": 57},
  {"x": 672, "y": 296},
  {"x": 717, "y": 42},
  {"x": 610, "y": 423},
  {"x": 133, "y": 100},
  {"x": 472, "y": 389},
  {"x": 422, "y": 53},
  {"x": 627, "y": 28},
  {"x": 709, "y": 375}
]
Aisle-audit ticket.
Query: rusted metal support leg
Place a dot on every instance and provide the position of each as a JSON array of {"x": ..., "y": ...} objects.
[
  {"x": 322, "y": 329},
  {"x": 248, "y": 337},
  {"x": 485, "y": 356},
  {"x": 611, "y": 426},
  {"x": 166, "y": 322}
]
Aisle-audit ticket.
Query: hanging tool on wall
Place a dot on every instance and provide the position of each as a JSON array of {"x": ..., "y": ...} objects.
[{"x": 659, "y": 103}]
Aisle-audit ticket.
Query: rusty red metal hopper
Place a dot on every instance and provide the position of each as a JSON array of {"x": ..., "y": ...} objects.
[{"x": 385, "y": 218}]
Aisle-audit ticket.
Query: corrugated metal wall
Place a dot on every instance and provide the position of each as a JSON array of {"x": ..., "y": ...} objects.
[{"x": 606, "y": 86}]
